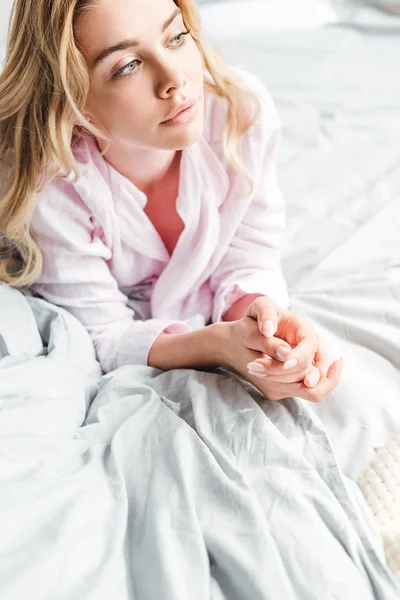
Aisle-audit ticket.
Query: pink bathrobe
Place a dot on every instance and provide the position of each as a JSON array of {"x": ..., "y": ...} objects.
[{"x": 105, "y": 262}]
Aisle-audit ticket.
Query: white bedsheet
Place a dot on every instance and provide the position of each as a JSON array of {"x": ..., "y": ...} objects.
[
  {"x": 337, "y": 90},
  {"x": 236, "y": 19},
  {"x": 176, "y": 486}
]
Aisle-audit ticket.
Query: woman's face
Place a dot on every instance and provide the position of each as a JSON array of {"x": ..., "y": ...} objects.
[{"x": 143, "y": 67}]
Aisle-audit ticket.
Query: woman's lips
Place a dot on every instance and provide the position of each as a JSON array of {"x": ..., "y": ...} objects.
[{"x": 182, "y": 118}]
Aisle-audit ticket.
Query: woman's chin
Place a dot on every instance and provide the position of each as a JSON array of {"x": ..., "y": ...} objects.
[{"x": 178, "y": 138}]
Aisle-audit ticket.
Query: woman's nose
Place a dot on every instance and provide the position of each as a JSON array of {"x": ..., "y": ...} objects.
[{"x": 170, "y": 81}]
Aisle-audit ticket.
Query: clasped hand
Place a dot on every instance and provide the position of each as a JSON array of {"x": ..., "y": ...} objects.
[{"x": 281, "y": 353}]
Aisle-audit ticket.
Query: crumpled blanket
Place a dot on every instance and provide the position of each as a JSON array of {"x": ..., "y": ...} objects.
[{"x": 144, "y": 484}]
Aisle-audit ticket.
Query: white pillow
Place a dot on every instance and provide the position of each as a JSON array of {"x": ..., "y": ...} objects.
[{"x": 233, "y": 19}]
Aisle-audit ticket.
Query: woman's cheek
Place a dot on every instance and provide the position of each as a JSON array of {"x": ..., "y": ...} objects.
[{"x": 117, "y": 107}]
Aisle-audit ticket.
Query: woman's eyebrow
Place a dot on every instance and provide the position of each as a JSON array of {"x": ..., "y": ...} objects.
[{"x": 131, "y": 42}]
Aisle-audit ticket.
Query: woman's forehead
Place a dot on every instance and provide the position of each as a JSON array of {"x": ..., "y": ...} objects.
[{"x": 108, "y": 22}]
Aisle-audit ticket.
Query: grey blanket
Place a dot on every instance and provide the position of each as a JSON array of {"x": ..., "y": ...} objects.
[{"x": 177, "y": 485}]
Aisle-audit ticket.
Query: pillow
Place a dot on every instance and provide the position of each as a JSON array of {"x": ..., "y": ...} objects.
[{"x": 236, "y": 18}]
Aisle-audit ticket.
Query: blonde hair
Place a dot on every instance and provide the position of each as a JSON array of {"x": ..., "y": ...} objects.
[{"x": 43, "y": 89}]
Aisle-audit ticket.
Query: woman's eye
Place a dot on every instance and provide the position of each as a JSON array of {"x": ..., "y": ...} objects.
[
  {"x": 179, "y": 39},
  {"x": 127, "y": 70}
]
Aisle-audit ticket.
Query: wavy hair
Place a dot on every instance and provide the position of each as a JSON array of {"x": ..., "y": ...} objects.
[{"x": 43, "y": 89}]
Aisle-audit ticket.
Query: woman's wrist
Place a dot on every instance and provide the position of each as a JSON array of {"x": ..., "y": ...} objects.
[
  {"x": 237, "y": 310},
  {"x": 200, "y": 349}
]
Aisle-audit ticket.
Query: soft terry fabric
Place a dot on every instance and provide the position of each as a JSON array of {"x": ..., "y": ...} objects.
[
  {"x": 178, "y": 485},
  {"x": 105, "y": 262}
]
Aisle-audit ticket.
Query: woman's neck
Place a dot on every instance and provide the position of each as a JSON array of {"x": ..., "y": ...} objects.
[{"x": 146, "y": 168}]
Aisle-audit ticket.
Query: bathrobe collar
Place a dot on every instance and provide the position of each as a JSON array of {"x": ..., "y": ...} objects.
[{"x": 203, "y": 187}]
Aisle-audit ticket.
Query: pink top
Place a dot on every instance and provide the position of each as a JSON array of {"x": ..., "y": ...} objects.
[{"x": 105, "y": 262}]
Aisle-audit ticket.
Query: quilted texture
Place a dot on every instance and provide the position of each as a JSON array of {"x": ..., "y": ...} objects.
[{"x": 380, "y": 485}]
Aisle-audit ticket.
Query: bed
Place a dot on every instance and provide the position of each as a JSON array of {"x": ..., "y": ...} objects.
[
  {"x": 187, "y": 484},
  {"x": 337, "y": 90}
]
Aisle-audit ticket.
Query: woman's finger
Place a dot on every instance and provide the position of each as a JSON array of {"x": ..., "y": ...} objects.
[
  {"x": 303, "y": 353},
  {"x": 285, "y": 378},
  {"x": 273, "y": 347},
  {"x": 328, "y": 383},
  {"x": 267, "y": 314},
  {"x": 276, "y": 391},
  {"x": 325, "y": 386},
  {"x": 274, "y": 367},
  {"x": 321, "y": 361},
  {"x": 313, "y": 377}
]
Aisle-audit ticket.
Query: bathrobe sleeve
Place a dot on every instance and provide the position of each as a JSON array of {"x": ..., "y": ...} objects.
[
  {"x": 252, "y": 262},
  {"x": 76, "y": 276}
]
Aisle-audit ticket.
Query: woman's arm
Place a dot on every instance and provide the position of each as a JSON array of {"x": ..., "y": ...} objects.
[
  {"x": 77, "y": 277},
  {"x": 200, "y": 349}
]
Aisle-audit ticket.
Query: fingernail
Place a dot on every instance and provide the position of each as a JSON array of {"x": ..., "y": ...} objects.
[
  {"x": 253, "y": 366},
  {"x": 312, "y": 380},
  {"x": 282, "y": 353},
  {"x": 268, "y": 328},
  {"x": 257, "y": 374},
  {"x": 290, "y": 363},
  {"x": 342, "y": 362}
]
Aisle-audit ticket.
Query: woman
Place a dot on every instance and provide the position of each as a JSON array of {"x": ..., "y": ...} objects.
[{"x": 141, "y": 191}]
